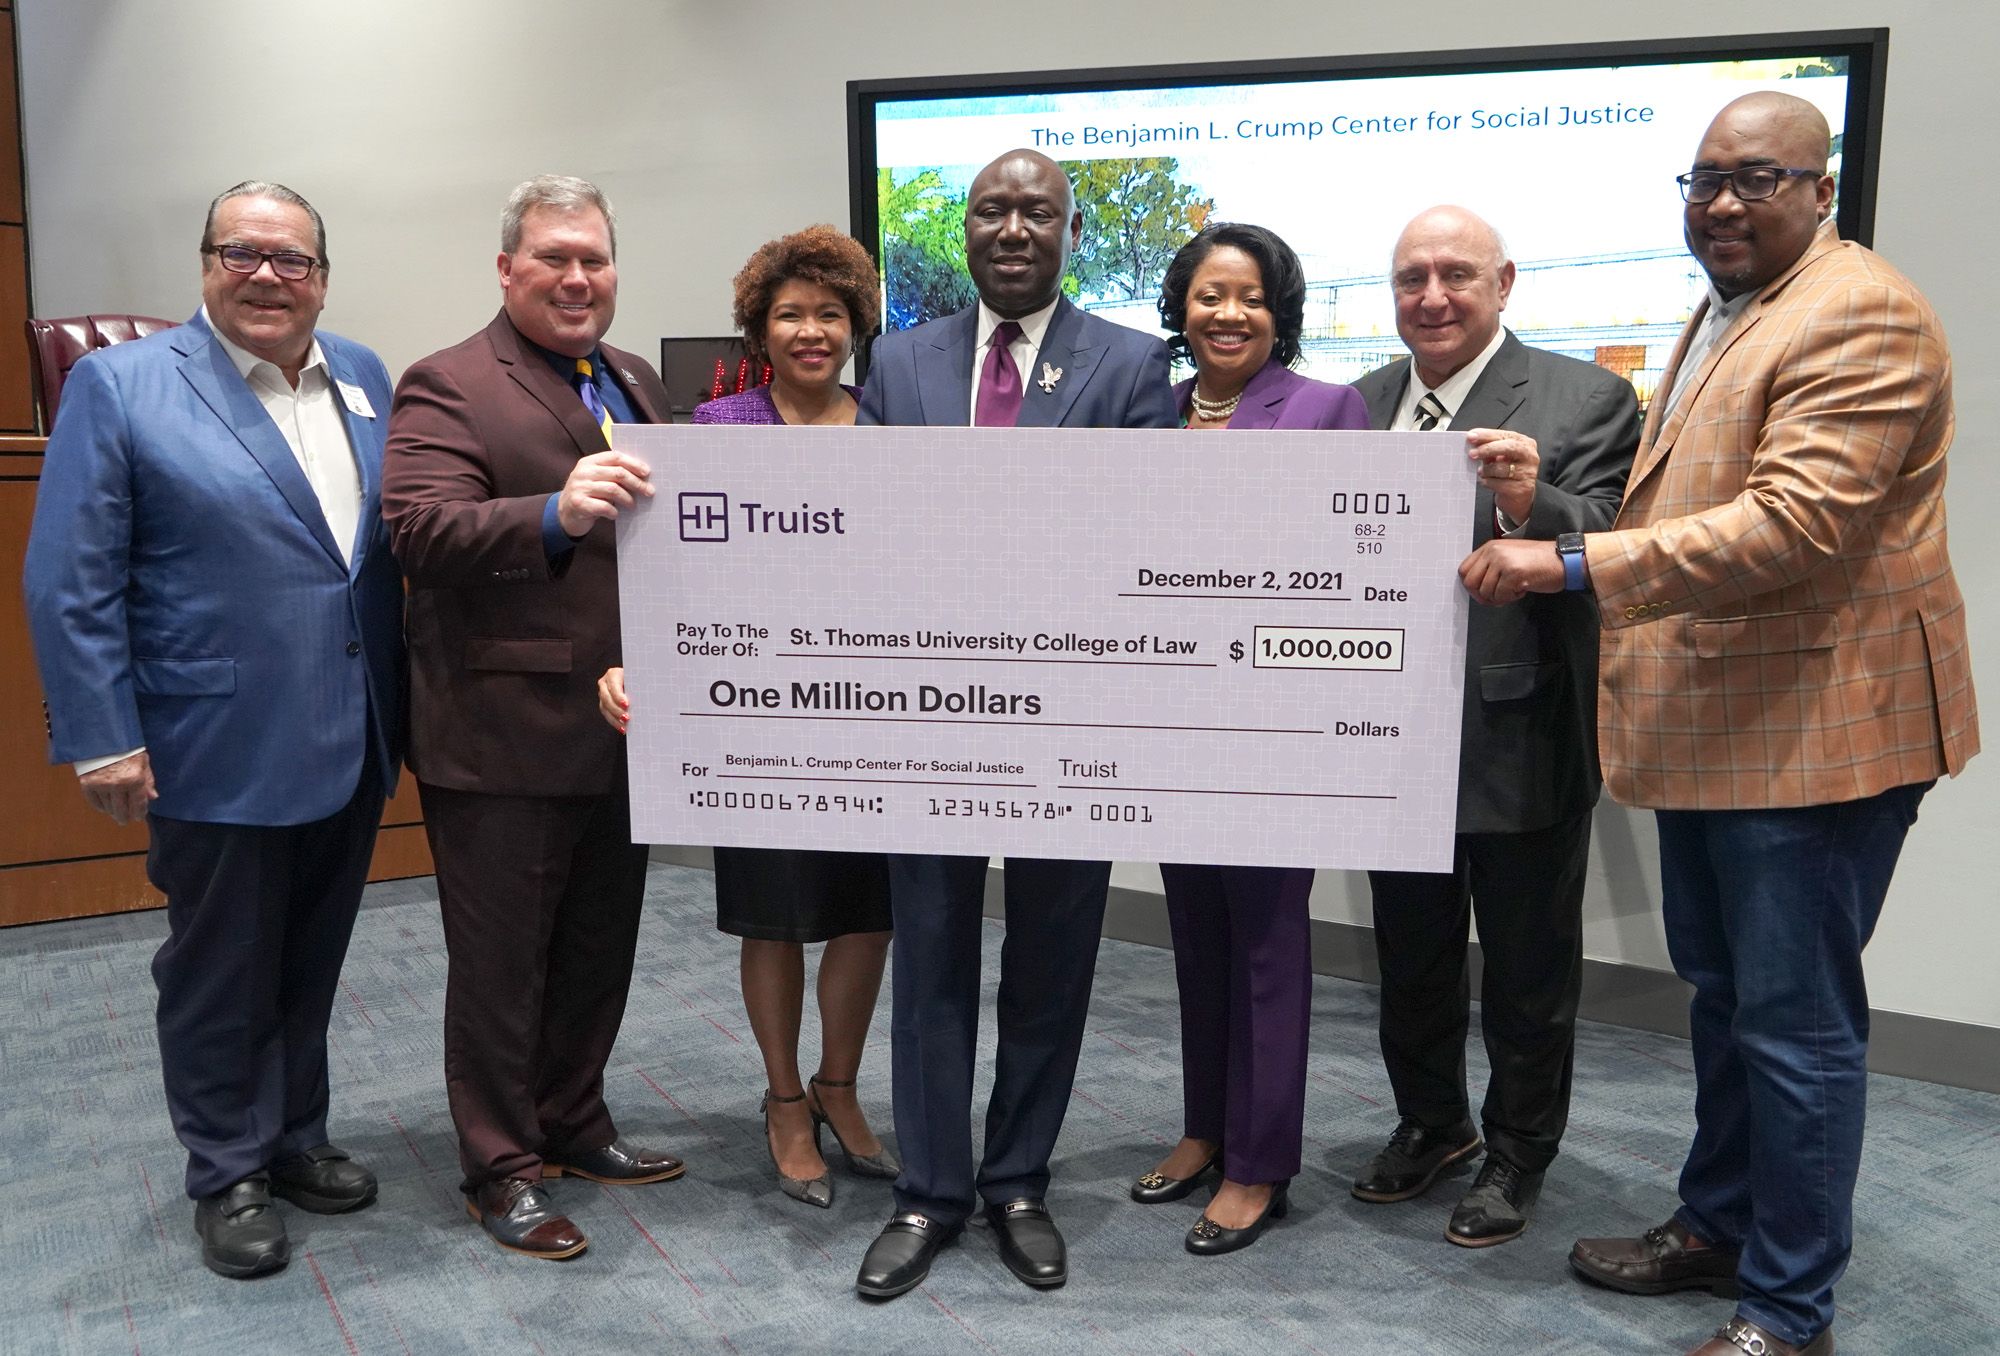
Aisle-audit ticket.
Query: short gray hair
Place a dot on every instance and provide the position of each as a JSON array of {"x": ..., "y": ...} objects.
[
  {"x": 262, "y": 188},
  {"x": 560, "y": 193}
]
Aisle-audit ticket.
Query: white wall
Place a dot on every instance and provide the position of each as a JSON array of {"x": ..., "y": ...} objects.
[{"x": 714, "y": 127}]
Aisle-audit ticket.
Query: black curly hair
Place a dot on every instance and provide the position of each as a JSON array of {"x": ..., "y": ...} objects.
[{"x": 1284, "y": 285}]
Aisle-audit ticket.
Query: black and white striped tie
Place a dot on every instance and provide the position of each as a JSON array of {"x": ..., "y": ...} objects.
[{"x": 1430, "y": 411}]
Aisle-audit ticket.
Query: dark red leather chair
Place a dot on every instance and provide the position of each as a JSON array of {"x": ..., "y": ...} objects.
[{"x": 55, "y": 345}]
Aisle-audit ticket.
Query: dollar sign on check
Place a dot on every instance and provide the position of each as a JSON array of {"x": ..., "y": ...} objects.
[{"x": 1236, "y": 650}]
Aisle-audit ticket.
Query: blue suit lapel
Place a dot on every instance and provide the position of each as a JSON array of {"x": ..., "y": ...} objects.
[
  {"x": 944, "y": 370},
  {"x": 1063, "y": 349},
  {"x": 222, "y": 388}
]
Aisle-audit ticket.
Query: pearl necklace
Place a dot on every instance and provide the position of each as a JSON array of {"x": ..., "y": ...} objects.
[{"x": 1213, "y": 411}]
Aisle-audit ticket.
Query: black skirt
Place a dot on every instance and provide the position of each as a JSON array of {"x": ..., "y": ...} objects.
[{"x": 789, "y": 895}]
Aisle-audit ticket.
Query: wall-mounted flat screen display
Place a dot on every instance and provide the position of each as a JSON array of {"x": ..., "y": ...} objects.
[{"x": 1570, "y": 152}]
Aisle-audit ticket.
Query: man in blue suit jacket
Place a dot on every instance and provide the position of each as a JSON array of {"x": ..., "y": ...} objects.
[
  {"x": 218, "y": 623},
  {"x": 1020, "y": 356}
]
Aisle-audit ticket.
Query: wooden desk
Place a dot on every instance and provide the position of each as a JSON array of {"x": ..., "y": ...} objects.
[{"x": 58, "y": 857}]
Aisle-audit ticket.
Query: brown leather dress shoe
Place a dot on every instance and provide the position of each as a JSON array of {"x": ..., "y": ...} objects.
[
  {"x": 1739, "y": 1336},
  {"x": 616, "y": 1164},
  {"x": 521, "y": 1219},
  {"x": 1660, "y": 1260}
]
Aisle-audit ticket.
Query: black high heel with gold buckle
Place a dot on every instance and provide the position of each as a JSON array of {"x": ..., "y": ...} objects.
[
  {"x": 1156, "y": 1188},
  {"x": 1207, "y": 1238}
]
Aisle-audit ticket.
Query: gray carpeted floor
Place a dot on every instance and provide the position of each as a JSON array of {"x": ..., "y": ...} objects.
[{"x": 100, "y": 1255}]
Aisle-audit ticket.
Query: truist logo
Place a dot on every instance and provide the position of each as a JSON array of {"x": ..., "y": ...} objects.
[{"x": 705, "y": 516}]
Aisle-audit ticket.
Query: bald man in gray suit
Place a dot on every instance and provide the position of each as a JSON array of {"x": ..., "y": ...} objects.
[{"x": 1555, "y": 439}]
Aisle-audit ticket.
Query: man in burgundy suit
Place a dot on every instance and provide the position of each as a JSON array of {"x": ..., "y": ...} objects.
[{"x": 500, "y": 493}]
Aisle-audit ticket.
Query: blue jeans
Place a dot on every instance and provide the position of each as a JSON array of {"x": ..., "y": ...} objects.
[{"x": 1766, "y": 914}]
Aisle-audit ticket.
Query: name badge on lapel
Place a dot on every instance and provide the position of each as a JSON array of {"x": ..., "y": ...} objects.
[{"x": 356, "y": 400}]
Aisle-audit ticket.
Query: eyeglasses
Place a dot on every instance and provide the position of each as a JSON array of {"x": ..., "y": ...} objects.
[
  {"x": 1750, "y": 183},
  {"x": 286, "y": 264}
]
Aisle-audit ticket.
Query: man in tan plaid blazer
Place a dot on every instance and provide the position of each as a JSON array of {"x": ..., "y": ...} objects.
[{"x": 1784, "y": 675}]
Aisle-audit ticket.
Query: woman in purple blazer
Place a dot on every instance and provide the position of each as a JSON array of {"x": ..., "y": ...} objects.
[
  {"x": 1234, "y": 301},
  {"x": 799, "y": 303}
]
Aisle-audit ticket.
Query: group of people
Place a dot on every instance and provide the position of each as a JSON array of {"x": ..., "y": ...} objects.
[{"x": 215, "y": 582}]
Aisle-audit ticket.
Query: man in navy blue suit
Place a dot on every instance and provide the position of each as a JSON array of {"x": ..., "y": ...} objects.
[
  {"x": 218, "y": 623},
  {"x": 973, "y": 367}
]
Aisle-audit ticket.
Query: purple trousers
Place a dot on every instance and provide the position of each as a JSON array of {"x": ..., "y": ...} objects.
[{"x": 1243, "y": 957}]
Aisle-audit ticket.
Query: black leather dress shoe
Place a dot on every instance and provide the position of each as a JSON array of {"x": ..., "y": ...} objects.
[
  {"x": 323, "y": 1180},
  {"x": 616, "y": 1164},
  {"x": 1209, "y": 1239},
  {"x": 1156, "y": 1188},
  {"x": 901, "y": 1255},
  {"x": 1497, "y": 1207},
  {"x": 241, "y": 1233},
  {"x": 1030, "y": 1244},
  {"x": 521, "y": 1219},
  {"x": 1414, "y": 1157},
  {"x": 1655, "y": 1263}
]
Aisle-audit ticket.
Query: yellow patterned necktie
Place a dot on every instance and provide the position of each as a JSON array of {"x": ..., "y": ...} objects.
[{"x": 586, "y": 386}]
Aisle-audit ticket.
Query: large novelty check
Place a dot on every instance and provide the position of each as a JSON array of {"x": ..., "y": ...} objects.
[{"x": 1225, "y": 647}]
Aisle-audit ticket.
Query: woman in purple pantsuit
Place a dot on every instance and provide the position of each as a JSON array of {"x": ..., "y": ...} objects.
[
  {"x": 1234, "y": 300},
  {"x": 800, "y": 301}
]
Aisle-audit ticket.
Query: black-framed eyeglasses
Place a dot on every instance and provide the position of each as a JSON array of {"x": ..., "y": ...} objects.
[
  {"x": 287, "y": 264},
  {"x": 1750, "y": 183}
]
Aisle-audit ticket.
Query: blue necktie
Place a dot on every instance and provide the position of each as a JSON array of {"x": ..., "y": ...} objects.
[{"x": 586, "y": 386}]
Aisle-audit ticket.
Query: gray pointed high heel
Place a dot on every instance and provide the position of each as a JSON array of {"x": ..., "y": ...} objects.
[
  {"x": 815, "y": 1191},
  {"x": 884, "y": 1164}
]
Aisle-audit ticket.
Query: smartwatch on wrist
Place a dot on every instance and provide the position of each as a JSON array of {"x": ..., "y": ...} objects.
[{"x": 1569, "y": 548}]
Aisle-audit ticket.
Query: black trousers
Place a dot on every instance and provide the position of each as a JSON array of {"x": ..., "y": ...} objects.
[
  {"x": 1055, "y": 914},
  {"x": 258, "y": 921},
  {"x": 1526, "y": 891}
]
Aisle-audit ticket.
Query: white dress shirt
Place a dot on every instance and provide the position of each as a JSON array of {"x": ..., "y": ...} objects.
[
  {"x": 1034, "y": 326},
  {"x": 310, "y": 419},
  {"x": 1451, "y": 392}
]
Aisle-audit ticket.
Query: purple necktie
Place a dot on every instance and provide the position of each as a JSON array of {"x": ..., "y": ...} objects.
[{"x": 999, "y": 402}]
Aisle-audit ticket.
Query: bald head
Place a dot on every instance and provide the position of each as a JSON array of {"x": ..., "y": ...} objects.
[
  {"x": 1744, "y": 245},
  {"x": 1021, "y": 223},
  {"x": 1783, "y": 124},
  {"x": 1467, "y": 229},
  {"x": 1023, "y": 163},
  {"x": 1452, "y": 278}
]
